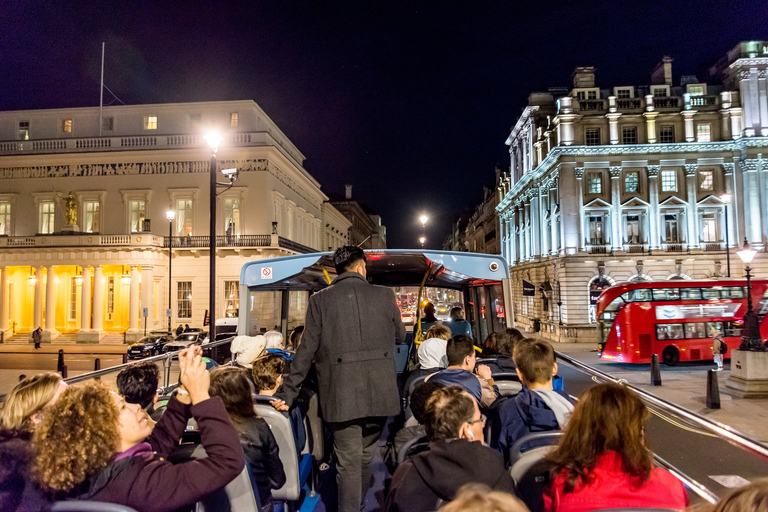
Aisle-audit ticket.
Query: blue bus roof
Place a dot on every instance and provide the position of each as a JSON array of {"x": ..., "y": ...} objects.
[{"x": 387, "y": 267}]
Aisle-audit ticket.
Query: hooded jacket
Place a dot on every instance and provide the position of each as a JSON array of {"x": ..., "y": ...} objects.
[
  {"x": 438, "y": 473},
  {"x": 523, "y": 414},
  {"x": 18, "y": 493}
]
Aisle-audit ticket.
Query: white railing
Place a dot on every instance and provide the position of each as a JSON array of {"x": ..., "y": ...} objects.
[{"x": 85, "y": 240}]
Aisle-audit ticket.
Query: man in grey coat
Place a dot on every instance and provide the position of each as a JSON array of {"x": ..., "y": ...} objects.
[{"x": 350, "y": 333}]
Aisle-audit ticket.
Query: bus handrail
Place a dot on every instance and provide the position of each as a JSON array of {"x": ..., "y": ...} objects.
[
  {"x": 689, "y": 482},
  {"x": 718, "y": 428}
]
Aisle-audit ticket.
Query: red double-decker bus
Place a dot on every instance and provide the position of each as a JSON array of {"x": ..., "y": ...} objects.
[{"x": 675, "y": 319}]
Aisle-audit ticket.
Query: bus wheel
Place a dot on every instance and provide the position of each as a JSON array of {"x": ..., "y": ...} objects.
[{"x": 670, "y": 356}]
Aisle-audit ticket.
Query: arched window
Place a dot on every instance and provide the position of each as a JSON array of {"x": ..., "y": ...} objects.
[{"x": 596, "y": 285}]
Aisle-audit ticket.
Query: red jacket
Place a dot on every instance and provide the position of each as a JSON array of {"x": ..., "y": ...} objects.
[{"x": 611, "y": 488}]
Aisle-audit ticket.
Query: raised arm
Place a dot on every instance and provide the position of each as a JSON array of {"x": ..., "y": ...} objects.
[{"x": 302, "y": 360}]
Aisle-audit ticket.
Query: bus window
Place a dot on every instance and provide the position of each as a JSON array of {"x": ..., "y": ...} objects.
[
  {"x": 690, "y": 293},
  {"x": 497, "y": 299},
  {"x": 264, "y": 311},
  {"x": 710, "y": 293},
  {"x": 639, "y": 295},
  {"x": 714, "y": 326},
  {"x": 732, "y": 329},
  {"x": 695, "y": 330},
  {"x": 297, "y": 308},
  {"x": 666, "y": 294},
  {"x": 734, "y": 292},
  {"x": 669, "y": 331}
]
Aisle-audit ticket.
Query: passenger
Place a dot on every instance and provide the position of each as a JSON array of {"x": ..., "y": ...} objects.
[
  {"x": 750, "y": 498},
  {"x": 491, "y": 345},
  {"x": 245, "y": 349},
  {"x": 456, "y": 456},
  {"x": 418, "y": 402},
  {"x": 517, "y": 336},
  {"x": 457, "y": 324},
  {"x": 138, "y": 384},
  {"x": 461, "y": 362},
  {"x": 275, "y": 346},
  {"x": 351, "y": 330},
  {"x": 23, "y": 411},
  {"x": 230, "y": 383},
  {"x": 91, "y": 445},
  {"x": 428, "y": 320},
  {"x": 480, "y": 498},
  {"x": 602, "y": 461},
  {"x": 505, "y": 346},
  {"x": 537, "y": 407},
  {"x": 295, "y": 338},
  {"x": 432, "y": 350},
  {"x": 268, "y": 373}
]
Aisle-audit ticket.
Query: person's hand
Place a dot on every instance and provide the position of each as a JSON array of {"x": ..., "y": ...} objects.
[
  {"x": 279, "y": 405},
  {"x": 483, "y": 371},
  {"x": 194, "y": 377}
]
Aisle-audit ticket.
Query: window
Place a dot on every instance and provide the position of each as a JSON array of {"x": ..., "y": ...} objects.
[
  {"x": 666, "y": 134},
  {"x": 232, "y": 214},
  {"x": 231, "y": 299},
  {"x": 66, "y": 126},
  {"x": 623, "y": 93},
  {"x": 666, "y": 294},
  {"x": 697, "y": 89},
  {"x": 234, "y": 119},
  {"x": 669, "y": 181},
  {"x": 138, "y": 214},
  {"x": 5, "y": 218},
  {"x": 91, "y": 217},
  {"x": 633, "y": 229},
  {"x": 706, "y": 180},
  {"x": 184, "y": 299},
  {"x": 150, "y": 122},
  {"x": 581, "y": 96},
  {"x": 47, "y": 216},
  {"x": 184, "y": 217},
  {"x": 709, "y": 227},
  {"x": 629, "y": 135},
  {"x": 591, "y": 95},
  {"x": 110, "y": 297},
  {"x": 108, "y": 124},
  {"x": 73, "y": 298},
  {"x": 659, "y": 92},
  {"x": 671, "y": 232},
  {"x": 596, "y": 230},
  {"x": 632, "y": 182},
  {"x": 592, "y": 136},
  {"x": 703, "y": 132},
  {"x": 23, "y": 130},
  {"x": 195, "y": 120},
  {"x": 594, "y": 183}
]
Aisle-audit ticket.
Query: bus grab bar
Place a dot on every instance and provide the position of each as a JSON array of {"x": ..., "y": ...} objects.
[
  {"x": 689, "y": 482},
  {"x": 711, "y": 425}
]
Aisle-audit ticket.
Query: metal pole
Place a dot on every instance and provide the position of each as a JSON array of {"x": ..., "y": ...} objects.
[
  {"x": 212, "y": 249},
  {"x": 101, "y": 93},
  {"x": 170, "y": 264},
  {"x": 727, "y": 243}
]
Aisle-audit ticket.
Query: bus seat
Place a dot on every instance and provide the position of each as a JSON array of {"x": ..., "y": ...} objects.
[
  {"x": 88, "y": 506},
  {"x": 508, "y": 383},
  {"x": 308, "y": 404},
  {"x": 529, "y": 470},
  {"x": 295, "y": 416},
  {"x": 486, "y": 360},
  {"x": 411, "y": 448},
  {"x": 411, "y": 422}
]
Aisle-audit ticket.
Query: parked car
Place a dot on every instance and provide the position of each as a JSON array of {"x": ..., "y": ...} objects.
[
  {"x": 185, "y": 340},
  {"x": 149, "y": 346}
]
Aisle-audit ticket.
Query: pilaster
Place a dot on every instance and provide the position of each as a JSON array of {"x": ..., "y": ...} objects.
[
  {"x": 3, "y": 300},
  {"x": 616, "y": 239},
  {"x": 693, "y": 222},
  {"x": 579, "y": 173},
  {"x": 690, "y": 133},
  {"x": 654, "y": 217}
]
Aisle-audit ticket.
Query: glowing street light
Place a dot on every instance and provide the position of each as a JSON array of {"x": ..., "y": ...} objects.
[
  {"x": 422, "y": 239},
  {"x": 751, "y": 340},
  {"x": 423, "y": 219}
]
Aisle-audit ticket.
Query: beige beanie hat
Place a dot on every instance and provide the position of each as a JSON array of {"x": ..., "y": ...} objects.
[{"x": 245, "y": 349}]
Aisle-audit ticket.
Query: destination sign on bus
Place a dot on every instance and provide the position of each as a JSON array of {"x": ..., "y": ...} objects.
[{"x": 696, "y": 311}]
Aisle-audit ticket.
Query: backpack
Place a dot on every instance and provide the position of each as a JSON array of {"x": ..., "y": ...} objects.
[{"x": 723, "y": 347}]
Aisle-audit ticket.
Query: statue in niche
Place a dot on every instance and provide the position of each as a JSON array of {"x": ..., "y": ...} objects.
[{"x": 70, "y": 209}]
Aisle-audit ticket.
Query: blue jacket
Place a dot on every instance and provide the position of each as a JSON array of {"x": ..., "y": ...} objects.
[{"x": 462, "y": 378}]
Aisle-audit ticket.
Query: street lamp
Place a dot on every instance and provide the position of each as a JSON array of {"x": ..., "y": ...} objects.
[
  {"x": 423, "y": 220},
  {"x": 751, "y": 340},
  {"x": 422, "y": 239},
  {"x": 213, "y": 140},
  {"x": 170, "y": 215},
  {"x": 726, "y": 198}
]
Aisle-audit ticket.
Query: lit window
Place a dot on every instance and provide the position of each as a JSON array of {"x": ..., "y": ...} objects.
[
  {"x": 5, "y": 218},
  {"x": 669, "y": 181},
  {"x": 666, "y": 134},
  {"x": 67, "y": 126},
  {"x": 110, "y": 296},
  {"x": 232, "y": 215},
  {"x": 632, "y": 181},
  {"x": 91, "y": 209},
  {"x": 703, "y": 133},
  {"x": 23, "y": 130},
  {"x": 150, "y": 122},
  {"x": 629, "y": 135},
  {"x": 234, "y": 119},
  {"x": 594, "y": 183},
  {"x": 671, "y": 235},
  {"x": 709, "y": 227},
  {"x": 184, "y": 217},
  {"x": 184, "y": 299},
  {"x": 47, "y": 216},
  {"x": 696, "y": 89},
  {"x": 592, "y": 136},
  {"x": 108, "y": 124},
  {"x": 706, "y": 180},
  {"x": 633, "y": 229},
  {"x": 138, "y": 214},
  {"x": 231, "y": 299},
  {"x": 623, "y": 93},
  {"x": 596, "y": 230}
]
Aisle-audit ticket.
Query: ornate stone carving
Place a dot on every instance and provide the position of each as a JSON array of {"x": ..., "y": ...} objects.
[
  {"x": 70, "y": 209},
  {"x": 728, "y": 168},
  {"x": 615, "y": 171},
  {"x": 744, "y": 74},
  {"x": 653, "y": 170},
  {"x": 749, "y": 165},
  {"x": 718, "y": 269},
  {"x": 639, "y": 269},
  {"x": 600, "y": 268},
  {"x": 690, "y": 169},
  {"x": 761, "y": 74},
  {"x": 578, "y": 172}
]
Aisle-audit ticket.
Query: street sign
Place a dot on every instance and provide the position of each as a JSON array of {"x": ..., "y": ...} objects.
[
  {"x": 266, "y": 273},
  {"x": 168, "y": 312},
  {"x": 145, "y": 312}
]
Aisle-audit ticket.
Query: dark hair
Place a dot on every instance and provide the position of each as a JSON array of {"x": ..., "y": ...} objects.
[
  {"x": 295, "y": 337},
  {"x": 491, "y": 344},
  {"x": 446, "y": 410},
  {"x": 231, "y": 384},
  {"x": 535, "y": 359},
  {"x": 429, "y": 309},
  {"x": 138, "y": 383},
  {"x": 505, "y": 343},
  {"x": 420, "y": 396},
  {"x": 608, "y": 417},
  {"x": 266, "y": 370},
  {"x": 459, "y": 347},
  {"x": 346, "y": 256}
]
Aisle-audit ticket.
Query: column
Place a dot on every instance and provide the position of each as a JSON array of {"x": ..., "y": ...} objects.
[
  {"x": 133, "y": 304},
  {"x": 613, "y": 120},
  {"x": 570, "y": 232},
  {"x": 690, "y": 133},
  {"x": 650, "y": 122},
  {"x": 616, "y": 240},
  {"x": 38, "y": 318},
  {"x": 736, "y": 124},
  {"x": 98, "y": 299},
  {"x": 543, "y": 234},
  {"x": 147, "y": 296},
  {"x": 3, "y": 299},
  {"x": 565, "y": 118},
  {"x": 751, "y": 202},
  {"x": 527, "y": 226},
  {"x": 85, "y": 298},
  {"x": 725, "y": 114},
  {"x": 512, "y": 235},
  {"x": 535, "y": 223},
  {"x": 762, "y": 95},
  {"x": 579, "y": 173},
  {"x": 693, "y": 222},
  {"x": 553, "y": 199},
  {"x": 654, "y": 218},
  {"x": 50, "y": 300}
]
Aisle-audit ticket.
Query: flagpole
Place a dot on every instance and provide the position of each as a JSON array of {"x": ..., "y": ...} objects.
[{"x": 101, "y": 92}]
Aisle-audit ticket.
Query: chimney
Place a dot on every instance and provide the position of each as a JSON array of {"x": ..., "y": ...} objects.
[
  {"x": 584, "y": 77},
  {"x": 662, "y": 73},
  {"x": 348, "y": 194}
]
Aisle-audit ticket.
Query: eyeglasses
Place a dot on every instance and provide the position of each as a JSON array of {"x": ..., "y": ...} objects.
[{"x": 482, "y": 420}]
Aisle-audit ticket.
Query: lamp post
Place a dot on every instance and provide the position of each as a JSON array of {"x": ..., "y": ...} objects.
[
  {"x": 170, "y": 215},
  {"x": 213, "y": 141},
  {"x": 422, "y": 240},
  {"x": 423, "y": 218},
  {"x": 751, "y": 340},
  {"x": 726, "y": 198}
]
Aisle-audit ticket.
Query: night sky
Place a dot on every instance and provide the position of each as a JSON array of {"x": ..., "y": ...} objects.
[{"x": 411, "y": 102}]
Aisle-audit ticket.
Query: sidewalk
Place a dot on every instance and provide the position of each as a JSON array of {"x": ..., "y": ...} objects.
[
  {"x": 48, "y": 348},
  {"x": 685, "y": 385}
]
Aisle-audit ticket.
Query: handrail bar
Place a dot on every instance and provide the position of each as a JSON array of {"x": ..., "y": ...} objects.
[
  {"x": 723, "y": 430},
  {"x": 689, "y": 482}
]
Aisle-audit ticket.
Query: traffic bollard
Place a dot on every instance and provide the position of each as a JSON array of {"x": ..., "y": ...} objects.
[
  {"x": 713, "y": 390},
  {"x": 60, "y": 364},
  {"x": 96, "y": 364},
  {"x": 655, "y": 371},
  {"x": 125, "y": 358},
  {"x": 64, "y": 372}
]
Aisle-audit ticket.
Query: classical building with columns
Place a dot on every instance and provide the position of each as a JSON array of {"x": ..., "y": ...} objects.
[
  {"x": 92, "y": 204},
  {"x": 634, "y": 183}
]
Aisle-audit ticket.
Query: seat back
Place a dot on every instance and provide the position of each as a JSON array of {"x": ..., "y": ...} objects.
[
  {"x": 88, "y": 506},
  {"x": 486, "y": 360},
  {"x": 412, "y": 447},
  {"x": 530, "y": 476},
  {"x": 531, "y": 441},
  {"x": 281, "y": 428},
  {"x": 309, "y": 405},
  {"x": 508, "y": 383}
]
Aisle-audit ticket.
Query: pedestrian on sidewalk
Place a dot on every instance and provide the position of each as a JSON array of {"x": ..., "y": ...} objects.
[
  {"x": 37, "y": 336},
  {"x": 717, "y": 342}
]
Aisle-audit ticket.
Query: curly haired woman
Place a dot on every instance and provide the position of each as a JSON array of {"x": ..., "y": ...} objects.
[
  {"x": 92, "y": 445},
  {"x": 602, "y": 461}
]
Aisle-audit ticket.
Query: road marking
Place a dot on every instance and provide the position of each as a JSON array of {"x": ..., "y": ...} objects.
[{"x": 730, "y": 481}]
